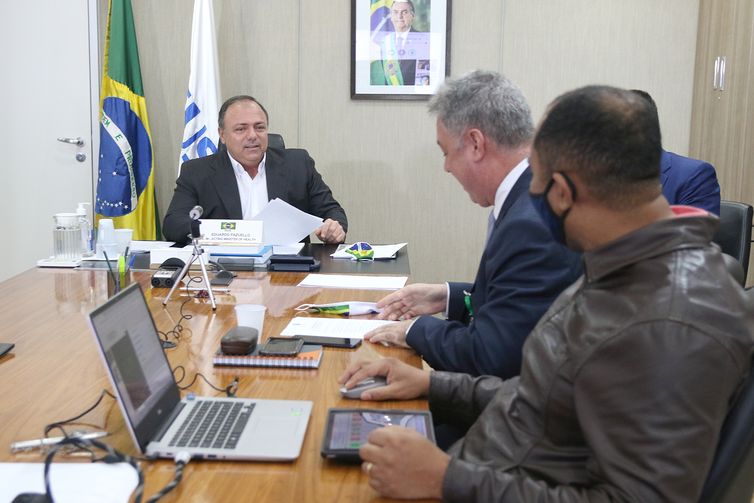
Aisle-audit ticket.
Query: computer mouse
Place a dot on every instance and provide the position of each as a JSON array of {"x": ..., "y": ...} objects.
[
  {"x": 362, "y": 386},
  {"x": 239, "y": 341},
  {"x": 225, "y": 274}
]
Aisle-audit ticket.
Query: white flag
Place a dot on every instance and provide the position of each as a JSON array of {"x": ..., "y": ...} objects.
[{"x": 200, "y": 136}]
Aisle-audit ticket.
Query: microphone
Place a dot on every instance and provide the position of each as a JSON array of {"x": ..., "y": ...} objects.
[{"x": 196, "y": 212}]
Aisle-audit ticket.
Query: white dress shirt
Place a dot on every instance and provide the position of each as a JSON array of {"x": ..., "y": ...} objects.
[{"x": 253, "y": 191}]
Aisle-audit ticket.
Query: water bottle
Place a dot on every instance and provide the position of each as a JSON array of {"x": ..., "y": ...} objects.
[{"x": 84, "y": 211}]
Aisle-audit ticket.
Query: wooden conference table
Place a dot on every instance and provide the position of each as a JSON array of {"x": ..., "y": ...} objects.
[{"x": 55, "y": 372}]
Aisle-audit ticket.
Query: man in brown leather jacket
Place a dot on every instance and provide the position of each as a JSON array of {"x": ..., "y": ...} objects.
[{"x": 627, "y": 378}]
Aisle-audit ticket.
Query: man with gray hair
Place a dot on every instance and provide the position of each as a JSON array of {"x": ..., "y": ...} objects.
[{"x": 484, "y": 129}]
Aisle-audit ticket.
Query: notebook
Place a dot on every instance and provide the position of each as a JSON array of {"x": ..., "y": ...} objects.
[
  {"x": 309, "y": 357},
  {"x": 160, "y": 423}
]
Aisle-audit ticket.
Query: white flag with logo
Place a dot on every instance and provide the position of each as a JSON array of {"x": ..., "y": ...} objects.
[{"x": 200, "y": 136}]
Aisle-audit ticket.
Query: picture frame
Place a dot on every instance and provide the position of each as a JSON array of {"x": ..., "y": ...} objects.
[{"x": 400, "y": 49}]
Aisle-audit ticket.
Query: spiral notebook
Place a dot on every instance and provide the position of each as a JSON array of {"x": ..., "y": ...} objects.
[{"x": 309, "y": 357}]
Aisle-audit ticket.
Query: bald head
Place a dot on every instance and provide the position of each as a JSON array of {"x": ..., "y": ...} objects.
[{"x": 609, "y": 138}]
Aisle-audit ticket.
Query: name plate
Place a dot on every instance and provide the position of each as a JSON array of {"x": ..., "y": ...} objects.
[{"x": 225, "y": 232}]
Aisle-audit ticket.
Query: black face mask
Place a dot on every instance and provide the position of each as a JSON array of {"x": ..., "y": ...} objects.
[{"x": 553, "y": 222}]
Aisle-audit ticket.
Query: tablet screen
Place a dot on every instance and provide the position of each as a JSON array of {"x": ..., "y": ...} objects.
[{"x": 348, "y": 429}]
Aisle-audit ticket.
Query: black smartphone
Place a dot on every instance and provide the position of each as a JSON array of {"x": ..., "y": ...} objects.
[
  {"x": 334, "y": 342},
  {"x": 222, "y": 279},
  {"x": 281, "y": 346},
  {"x": 5, "y": 347}
]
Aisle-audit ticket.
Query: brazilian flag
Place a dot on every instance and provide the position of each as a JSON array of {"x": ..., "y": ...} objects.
[{"x": 125, "y": 183}]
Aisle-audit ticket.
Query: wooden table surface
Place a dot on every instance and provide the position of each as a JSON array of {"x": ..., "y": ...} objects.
[{"x": 55, "y": 372}]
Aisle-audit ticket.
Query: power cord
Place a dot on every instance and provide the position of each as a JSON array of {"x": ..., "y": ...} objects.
[
  {"x": 59, "y": 424},
  {"x": 230, "y": 389},
  {"x": 181, "y": 460},
  {"x": 177, "y": 330},
  {"x": 111, "y": 456}
]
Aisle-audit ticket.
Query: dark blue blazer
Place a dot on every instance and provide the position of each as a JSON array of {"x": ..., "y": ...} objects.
[
  {"x": 689, "y": 182},
  {"x": 521, "y": 272}
]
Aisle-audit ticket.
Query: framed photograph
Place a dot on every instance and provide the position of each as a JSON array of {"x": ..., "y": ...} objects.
[{"x": 400, "y": 49}]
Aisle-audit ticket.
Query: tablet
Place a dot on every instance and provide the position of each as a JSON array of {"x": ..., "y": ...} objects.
[{"x": 347, "y": 429}]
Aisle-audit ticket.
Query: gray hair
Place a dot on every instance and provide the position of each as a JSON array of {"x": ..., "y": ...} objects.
[{"x": 487, "y": 101}]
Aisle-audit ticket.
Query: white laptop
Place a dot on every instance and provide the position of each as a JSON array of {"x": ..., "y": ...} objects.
[{"x": 162, "y": 424}]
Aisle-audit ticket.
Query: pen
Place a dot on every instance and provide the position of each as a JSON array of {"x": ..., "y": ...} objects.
[
  {"x": 27, "y": 445},
  {"x": 131, "y": 262},
  {"x": 116, "y": 283}
]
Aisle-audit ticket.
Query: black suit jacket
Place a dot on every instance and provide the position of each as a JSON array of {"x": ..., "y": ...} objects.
[
  {"x": 211, "y": 183},
  {"x": 521, "y": 272}
]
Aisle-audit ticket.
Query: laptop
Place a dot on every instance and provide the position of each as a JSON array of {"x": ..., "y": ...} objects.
[{"x": 160, "y": 422}]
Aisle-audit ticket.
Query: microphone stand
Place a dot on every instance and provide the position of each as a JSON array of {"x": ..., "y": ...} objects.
[{"x": 197, "y": 254}]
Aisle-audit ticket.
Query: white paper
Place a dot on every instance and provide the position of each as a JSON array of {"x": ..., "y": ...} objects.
[
  {"x": 293, "y": 249},
  {"x": 380, "y": 251},
  {"x": 356, "y": 282},
  {"x": 70, "y": 482},
  {"x": 284, "y": 224},
  {"x": 331, "y": 327},
  {"x": 150, "y": 245}
]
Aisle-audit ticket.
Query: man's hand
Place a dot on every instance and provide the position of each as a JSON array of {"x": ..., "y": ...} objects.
[
  {"x": 404, "y": 382},
  {"x": 401, "y": 463},
  {"x": 330, "y": 232},
  {"x": 413, "y": 300},
  {"x": 392, "y": 334}
]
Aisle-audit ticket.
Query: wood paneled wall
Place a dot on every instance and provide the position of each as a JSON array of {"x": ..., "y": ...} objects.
[{"x": 380, "y": 158}]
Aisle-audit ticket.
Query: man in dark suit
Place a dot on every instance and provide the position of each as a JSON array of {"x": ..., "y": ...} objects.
[
  {"x": 687, "y": 181},
  {"x": 484, "y": 129},
  {"x": 243, "y": 175}
]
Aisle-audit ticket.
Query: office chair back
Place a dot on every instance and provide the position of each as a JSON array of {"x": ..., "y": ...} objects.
[
  {"x": 735, "y": 269},
  {"x": 734, "y": 233},
  {"x": 275, "y": 141},
  {"x": 730, "y": 479}
]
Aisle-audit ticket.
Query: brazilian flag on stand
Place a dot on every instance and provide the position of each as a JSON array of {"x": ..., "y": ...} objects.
[{"x": 125, "y": 183}]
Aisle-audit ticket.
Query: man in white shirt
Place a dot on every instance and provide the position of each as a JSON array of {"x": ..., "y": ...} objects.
[{"x": 243, "y": 175}]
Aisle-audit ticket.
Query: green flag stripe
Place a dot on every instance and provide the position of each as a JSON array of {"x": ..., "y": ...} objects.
[{"x": 123, "y": 53}]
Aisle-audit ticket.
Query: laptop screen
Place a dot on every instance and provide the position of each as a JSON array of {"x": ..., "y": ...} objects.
[{"x": 138, "y": 367}]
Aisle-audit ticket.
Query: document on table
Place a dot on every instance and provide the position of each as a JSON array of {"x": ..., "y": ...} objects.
[
  {"x": 293, "y": 249},
  {"x": 150, "y": 245},
  {"x": 285, "y": 224},
  {"x": 70, "y": 482},
  {"x": 381, "y": 252},
  {"x": 331, "y": 327},
  {"x": 355, "y": 282}
]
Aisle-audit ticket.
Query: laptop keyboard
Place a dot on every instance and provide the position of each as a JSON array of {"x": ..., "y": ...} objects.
[{"x": 213, "y": 424}]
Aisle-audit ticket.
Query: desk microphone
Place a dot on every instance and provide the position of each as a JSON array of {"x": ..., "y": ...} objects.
[{"x": 196, "y": 212}]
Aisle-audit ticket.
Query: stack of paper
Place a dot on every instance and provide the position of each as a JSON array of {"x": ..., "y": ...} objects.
[{"x": 331, "y": 327}]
